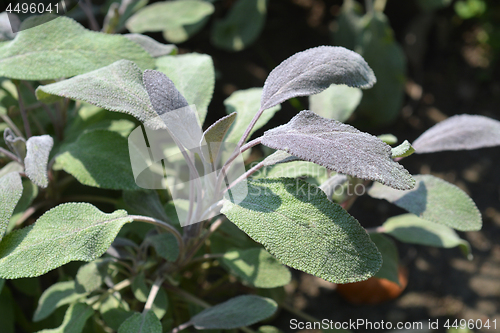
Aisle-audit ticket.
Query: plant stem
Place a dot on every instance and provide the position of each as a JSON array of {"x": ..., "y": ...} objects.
[
  {"x": 117, "y": 287},
  {"x": 152, "y": 294},
  {"x": 163, "y": 225},
  {"x": 247, "y": 174},
  {"x": 24, "y": 114},
  {"x": 249, "y": 128},
  {"x": 10, "y": 155},
  {"x": 11, "y": 125},
  {"x": 210, "y": 231}
]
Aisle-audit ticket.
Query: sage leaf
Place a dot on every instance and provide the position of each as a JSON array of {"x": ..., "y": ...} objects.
[
  {"x": 242, "y": 25},
  {"x": 311, "y": 71},
  {"x": 336, "y": 102},
  {"x": 330, "y": 186},
  {"x": 74, "y": 319},
  {"x": 390, "y": 139},
  {"x": 461, "y": 132},
  {"x": 237, "y": 312},
  {"x": 166, "y": 246},
  {"x": 338, "y": 147},
  {"x": 299, "y": 226},
  {"x": 140, "y": 288},
  {"x": 409, "y": 228},
  {"x": 30, "y": 192},
  {"x": 168, "y": 15},
  {"x": 115, "y": 311},
  {"x": 16, "y": 144},
  {"x": 11, "y": 167},
  {"x": 64, "y": 48},
  {"x": 57, "y": 295},
  {"x": 257, "y": 267},
  {"x": 183, "y": 33},
  {"x": 214, "y": 135},
  {"x": 390, "y": 258},
  {"x": 141, "y": 323},
  {"x": 72, "y": 231},
  {"x": 160, "y": 304},
  {"x": 194, "y": 76},
  {"x": 100, "y": 159},
  {"x": 37, "y": 157},
  {"x": 91, "y": 276},
  {"x": 145, "y": 203},
  {"x": 278, "y": 157},
  {"x": 117, "y": 87},
  {"x": 246, "y": 103},
  {"x": 154, "y": 48},
  {"x": 435, "y": 200},
  {"x": 296, "y": 169},
  {"x": 11, "y": 190},
  {"x": 403, "y": 150}
]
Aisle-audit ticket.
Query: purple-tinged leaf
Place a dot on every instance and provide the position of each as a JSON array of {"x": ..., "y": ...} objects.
[
  {"x": 214, "y": 135},
  {"x": 339, "y": 147},
  {"x": 37, "y": 158},
  {"x": 279, "y": 157},
  {"x": 311, "y": 71},
  {"x": 162, "y": 92},
  {"x": 461, "y": 132}
]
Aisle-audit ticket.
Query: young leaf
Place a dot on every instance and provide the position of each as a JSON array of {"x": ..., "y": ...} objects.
[
  {"x": 117, "y": 87},
  {"x": 58, "y": 294},
  {"x": 214, "y": 135},
  {"x": 68, "y": 232},
  {"x": 246, "y": 103},
  {"x": 141, "y": 323},
  {"x": 390, "y": 258},
  {"x": 237, "y": 312},
  {"x": 337, "y": 102},
  {"x": 194, "y": 76},
  {"x": 403, "y": 150},
  {"x": 168, "y": 15},
  {"x": 461, "y": 132},
  {"x": 37, "y": 157},
  {"x": 91, "y": 276},
  {"x": 304, "y": 230},
  {"x": 311, "y": 71},
  {"x": 11, "y": 190},
  {"x": 165, "y": 245},
  {"x": 16, "y": 144},
  {"x": 162, "y": 92},
  {"x": 278, "y": 157},
  {"x": 435, "y": 200},
  {"x": 154, "y": 48},
  {"x": 99, "y": 158},
  {"x": 409, "y": 228},
  {"x": 74, "y": 319},
  {"x": 242, "y": 25},
  {"x": 145, "y": 203},
  {"x": 64, "y": 48},
  {"x": 338, "y": 147},
  {"x": 257, "y": 267}
]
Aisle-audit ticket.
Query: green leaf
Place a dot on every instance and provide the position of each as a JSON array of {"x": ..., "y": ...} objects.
[
  {"x": 114, "y": 311},
  {"x": 388, "y": 138},
  {"x": 68, "y": 232},
  {"x": 99, "y": 158},
  {"x": 390, "y": 258},
  {"x": 409, "y": 228},
  {"x": 30, "y": 192},
  {"x": 64, "y": 48},
  {"x": 435, "y": 200},
  {"x": 91, "y": 276},
  {"x": 117, "y": 87},
  {"x": 74, "y": 319},
  {"x": 403, "y": 150},
  {"x": 11, "y": 167},
  {"x": 246, "y": 103},
  {"x": 56, "y": 295},
  {"x": 141, "y": 323},
  {"x": 37, "y": 157},
  {"x": 181, "y": 34},
  {"x": 160, "y": 304},
  {"x": 214, "y": 135},
  {"x": 299, "y": 226},
  {"x": 11, "y": 190},
  {"x": 337, "y": 102},
  {"x": 237, "y": 312},
  {"x": 165, "y": 245},
  {"x": 242, "y": 25},
  {"x": 7, "y": 311},
  {"x": 16, "y": 144},
  {"x": 154, "y": 48},
  {"x": 145, "y": 203},
  {"x": 140, "y": 288},
  {"x": 193, "y": 75},
  {"x": 168, "y": 15},
  {"x": 268, "y": 329},
  {"x": 278, "y": 157},
  {"x": 295, "y": 169},
  {"x": 257, "y": 267}
]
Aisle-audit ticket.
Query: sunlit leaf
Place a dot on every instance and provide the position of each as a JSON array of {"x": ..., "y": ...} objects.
[
  {"x": 312, "y": 71},
  {"x": 338, "y": 147},
  {"x": 214, "y": 135},
  {"x": 337, "y": 102},
  {"x": 403, "y": 150},
  {"x": 74, "y": 319},
  {"x": 11, "y": 190},
  {"x": 141, "y": 323},
  {"x": 91, "y": 276},
  {"x": 58, "y": 294},
  {"x": 37, "y": 158}
]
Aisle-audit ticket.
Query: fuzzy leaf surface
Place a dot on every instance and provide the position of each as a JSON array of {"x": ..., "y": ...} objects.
[
  {"x": 295, "y": 169},
  {"x": 91, "y": 276},
  {"x": 68, "y": 232},
  {"x": 435, "y": 200},
  {"x": 11, "y": 190},
  {"x": 154, "y": 48},
  {"x": 403, "y": 150},
  {"x": 214, "y": 135},
  {"x": 117, "y": 87},
  {"x": 237, "y": 312},
  {"x": 37, "y": 157},
  {"x": 100, "y": 159},
  {"x": 338, "y": 147},
  {"x": 63, "y": 48},
  {"x": 409, "y": 228},
  {"x": 139, "y": 323},
  {"x": 311, "y": 71},
  {"x": 461, "y": 132},
  {"x": 74, "y": 319},
  {"x": 58, "y": 294},
  {"x": 337, "y": 102},
  {"x": 257, "y": 267},
  {"x": 304, "y": 230}
]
